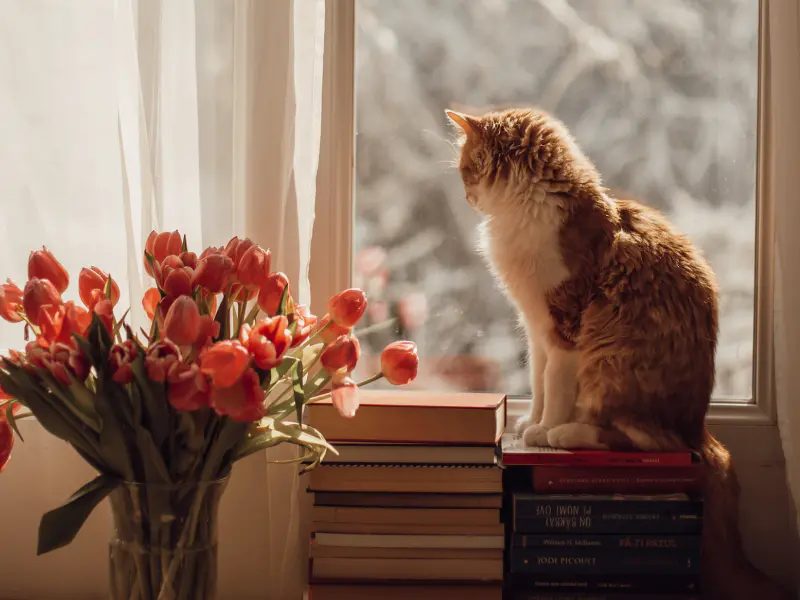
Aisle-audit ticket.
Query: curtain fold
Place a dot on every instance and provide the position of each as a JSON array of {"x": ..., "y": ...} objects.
[{"x": 133, "y": 115}]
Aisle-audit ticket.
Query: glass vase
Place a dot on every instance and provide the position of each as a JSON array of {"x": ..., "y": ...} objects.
[{"x": 165, "y": 541}]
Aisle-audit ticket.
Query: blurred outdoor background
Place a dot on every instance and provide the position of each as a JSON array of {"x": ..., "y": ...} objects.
[{"x": 661, "y": 95}]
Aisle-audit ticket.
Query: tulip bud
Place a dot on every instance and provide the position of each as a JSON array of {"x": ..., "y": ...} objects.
[
  {"x": 92, "y": 287},
  {"x": 39, "y": 293},
  {"x": 43, "y": 265},
  {"x": 150, "y": 302},
  {"x": 347, "y": 307},
  {"x": 344, "y": 396},
  {"x": 182, "y": 323},
  {"x": 253, "y": 267},
  {"x": 342, "y": 355},
  {"x": 400, "y": 362},
  {"x": 178, "y": 283},
  {"x": 269, "y": 298},
  {"x": 159, "y": 246},
  {"x": 10, "y": 302},
  {"x": 214, "y": 273}
]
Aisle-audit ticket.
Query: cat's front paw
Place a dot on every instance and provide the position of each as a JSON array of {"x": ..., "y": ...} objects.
[
  {"x": 523, "y": 423},
  {"x": 535, "y": 435}
]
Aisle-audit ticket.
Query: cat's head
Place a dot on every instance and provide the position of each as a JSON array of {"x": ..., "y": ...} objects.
[{"x": 519, "y": 155}]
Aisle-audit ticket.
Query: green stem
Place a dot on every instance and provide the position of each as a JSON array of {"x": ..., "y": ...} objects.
[{"x": 299, "y": 350}]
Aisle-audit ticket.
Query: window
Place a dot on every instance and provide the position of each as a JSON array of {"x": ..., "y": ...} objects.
[{"x": 663, "y": 96}]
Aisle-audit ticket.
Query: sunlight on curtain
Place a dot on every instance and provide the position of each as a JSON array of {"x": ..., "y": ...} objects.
[{"x": 122, "y": 116}]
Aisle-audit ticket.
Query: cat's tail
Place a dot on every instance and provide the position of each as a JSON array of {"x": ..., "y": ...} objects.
[{"x": 727, "y": 573}]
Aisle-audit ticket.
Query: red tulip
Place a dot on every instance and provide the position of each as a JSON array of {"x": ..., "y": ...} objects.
[
  {"x": 92, "y": 286},
  {"x": 225, "y": 362},
  {"x": 105, "y": 311},
  {"x": 214, "y": 273},
  {"x": 347, "y": 307},
  {"x": 243, "y": 401},
  {"x": 209, "y": 251},
  {"x": 10, "y": 301},
  {"x": 59, "y": 323},
  {"x": 160, "y": 359},
  {"x": 159, "y": 246},
  {"x": 400, "y": 362},
  {"x": 209, "y": 329},
  {"x": 120, "y": 359},
  {"x": 188, "y": 388},
  {"x": 330, "y": 330},
  {"x": 236, "y": 249},
  {"x": 182, "y": 323},
  {"x": 267, "y": 341},
  {"x": 253, "y": 267},
  {"x": 269, "y": 298},
  {"x": 342, "y": 355},
  {"x": 43, "y": 265},
  {"x": 178, "y": 282},
  {"x": 344, "y": 396},
  {"x": 4, "y": 395},
  {"x": 304, "y": 324},
  {"x": 39, "y": 293},
  {"x": 62, "y": 360},
  {"x": 6, "y": 442},
  {"x": 150, "y": 302},
  {"x": 189, "y": 259}
]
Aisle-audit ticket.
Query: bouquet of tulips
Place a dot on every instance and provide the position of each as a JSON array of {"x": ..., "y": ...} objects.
[{"x": 224, "y": 370}]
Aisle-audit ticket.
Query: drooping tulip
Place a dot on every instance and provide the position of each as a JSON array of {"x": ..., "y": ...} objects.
[
  {"x": 225, "y": 362},
  {"x": 347, "y": 307},
  {"x": 10, "y": 301},
  {"x": 400, "y": 362},
  {"x": 214, "y": 273},
  {"x": 269, "y": 298},
  {"x": 39, "y": 293},
  {"x": 188, "y": 388},
  {"x": 182, "y": 323},
  {"x": 267, "y": 341},
  {"x": 43, "y": 265},
  {"x": 329, "y": 330},
  {"x": 341, "y": 356},
  {"x": 344, "y": 396},
  {"x": 92, "y": 283},
  {"x": 120, "y": 361},
  {"x": 242, "y": 401},
  {"x": 159, "y": 246}
]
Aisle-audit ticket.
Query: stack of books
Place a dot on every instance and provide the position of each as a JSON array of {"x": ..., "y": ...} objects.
[
  {"x": 411, "y": 506},
  {"x": 602, "y": 525}
]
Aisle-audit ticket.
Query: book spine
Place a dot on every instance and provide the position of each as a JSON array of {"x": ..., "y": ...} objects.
[
  {"x": 605, "y": 584},
  {"x": 572, "y": 515},
  {"x": 603, "y": 562},
  {"x": 598, "y": 459},
  {"x": 526, "y": 595},
  {"x": 639, "y": 480},
  {"x": 609, "y": 542}
]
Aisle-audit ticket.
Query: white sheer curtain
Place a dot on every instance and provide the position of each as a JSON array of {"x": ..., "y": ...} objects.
[
  {"x": 122, "y": 116},
  {"x": 783, "y": 126}
]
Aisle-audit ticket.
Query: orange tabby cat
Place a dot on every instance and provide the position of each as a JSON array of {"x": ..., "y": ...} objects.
[{"x": 620, "y": 312}]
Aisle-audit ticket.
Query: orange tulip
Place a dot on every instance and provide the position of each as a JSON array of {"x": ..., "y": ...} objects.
[
  {"x": 62, "y": 360},
  {"x": 188, "y": 388},
  {"x": 269, "y": 298},
  {"x": 209, "y": 329},
  {"x": 59, "y": 323},
  {"x": 344, "y": 396},
  {"x": 330, "y": 330},
  {"x": 182, "y": 323},
  {"x": 150, "y": 302},
  {"x": 236, "y": 249},
  {"x": 161, "y": 357},
  {"x": 243, "y": 401},
  {"x": 347, "y": 307},
  {"x": 120, "y": 359},
  {"x": 224, "y": 362},
  {"x": 178, "y": 283},
  {"x": 304, "y": 324},
  {"x": 43, "y": 265},
  {"x": 92, "y": 285},
  {"x": 214, "y": 273},
  {"x": 189, "y": 259},
  {"x": 159, "y": 246},
  {"x": 267, "y": 341},
  {"x": 39, "y": 293},
  {"x": 253, "y": 267},
  {"x": 105, "y": 312},
  {"x": 10, "y": 301},
  {"x": 6, "y": 442},
  {"x": 400, "y": 362},
  {"x": 342, "y": 355}
]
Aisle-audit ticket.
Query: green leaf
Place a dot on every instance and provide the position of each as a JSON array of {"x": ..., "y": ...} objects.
[
  {"x": 150, "y": 261},
  {"x": 297, "y": 389},
  {"x": 120, "y": 323},
  {"x": 113, "y": 446},
  {"x": 231, "y": 434},
  {"x": 60, "y": 526},
  {"x": 12, "y": 420},
  {"x": 184, "y": 246},
  {"x": 109, "y": 287},
  {"x": 284, "y": 301},
  {"x": 315, "y": 384},
  {"x": 155, "y": 470},
  {"x": 155, "y": 412},
  {"x": 222, "y": 318}
]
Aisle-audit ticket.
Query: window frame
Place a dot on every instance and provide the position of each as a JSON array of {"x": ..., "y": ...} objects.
[{"x": 331, "y": 264}]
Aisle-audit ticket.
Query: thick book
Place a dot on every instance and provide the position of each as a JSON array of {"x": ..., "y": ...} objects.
[
  {"x": 460, "y": 479},
  {"x": 406, "y": 569},
  {"x": 407, "y": 516},
  {"x": 528, "y": 595},
  {"x": 403, "y": 417},
  {"x": 320, "y": 551},
  {"x": 412, "y": 454},
  {"x": 408, "y": 500},
  {"x": 648, "y": 585},
  {"x": 405, "y": 592},
  {"x": 354, "y": 540},
  {"x": 515, "y": 453},
  {"x": 406, "y": 529},
  {"x": 618, "y": 480},
  {"x": 608, "y": 542},
  {"x": 584, "y": 561},
  {"x": 619, "y": 514}
]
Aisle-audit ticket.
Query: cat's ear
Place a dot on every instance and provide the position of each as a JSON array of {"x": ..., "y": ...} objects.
[{"x": 467, "y": 123}]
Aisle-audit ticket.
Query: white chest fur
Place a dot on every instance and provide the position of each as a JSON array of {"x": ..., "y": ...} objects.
[{"x": 521, "y": 242}]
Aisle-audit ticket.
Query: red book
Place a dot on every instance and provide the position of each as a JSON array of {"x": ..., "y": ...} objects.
[
  {"x": 515, "y": 453},
  {"x": 618, "y": 480}
]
